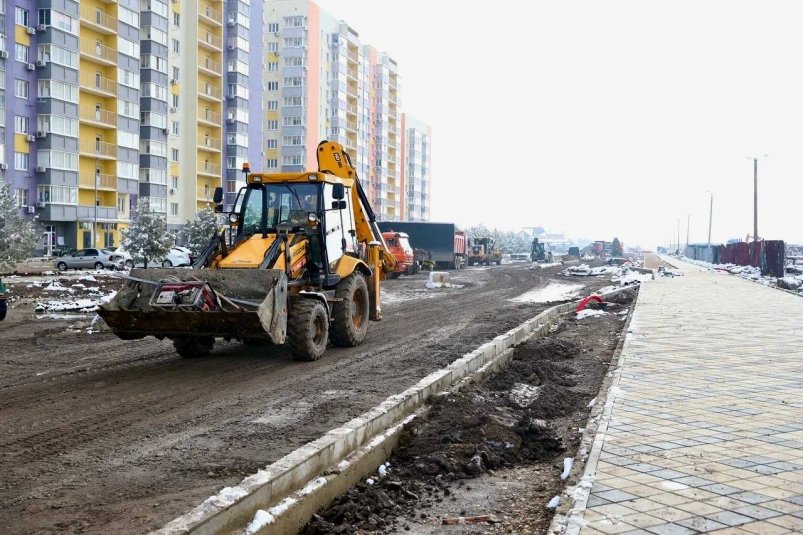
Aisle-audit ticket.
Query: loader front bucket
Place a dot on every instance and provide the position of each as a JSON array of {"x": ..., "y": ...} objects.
[{"x": 224, "y": 303}]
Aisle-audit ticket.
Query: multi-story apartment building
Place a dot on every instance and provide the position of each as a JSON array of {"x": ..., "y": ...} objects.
[
  {"x": 415, "y": 154},
  {"x": 106, "y": 102}
]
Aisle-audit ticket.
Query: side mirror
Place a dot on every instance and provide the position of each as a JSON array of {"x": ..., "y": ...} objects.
[
  {"x": 218, "y": 195},
  {"x": 338, "y": 191}
]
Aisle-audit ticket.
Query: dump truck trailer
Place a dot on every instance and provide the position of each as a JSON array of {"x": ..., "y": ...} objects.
[{"x": 447, "y": 245}]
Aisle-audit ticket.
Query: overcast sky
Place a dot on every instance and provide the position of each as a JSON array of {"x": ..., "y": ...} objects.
[{"x": 603, "y": 118}]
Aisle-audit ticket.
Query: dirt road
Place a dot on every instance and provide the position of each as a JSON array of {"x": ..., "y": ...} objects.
[{"x": 98, "y": 435}]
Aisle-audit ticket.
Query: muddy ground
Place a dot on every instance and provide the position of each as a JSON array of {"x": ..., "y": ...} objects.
[
  {"x": 99, "y": 435},
  {"x": 496, "y": 448}
]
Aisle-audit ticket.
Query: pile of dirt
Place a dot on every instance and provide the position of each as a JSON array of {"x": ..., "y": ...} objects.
[{"x": 517, "y": 417}]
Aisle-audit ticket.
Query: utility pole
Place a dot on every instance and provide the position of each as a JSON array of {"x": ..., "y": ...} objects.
[
  {"x": 710, "y": 218},
  {"x": 755, "y": 199}
]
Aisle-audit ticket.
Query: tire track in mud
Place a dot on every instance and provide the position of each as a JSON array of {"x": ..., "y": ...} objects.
[{"x": 140, "y": 426}]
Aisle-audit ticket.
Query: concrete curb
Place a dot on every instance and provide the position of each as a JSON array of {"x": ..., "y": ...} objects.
[{"x": 233, "y": 507}]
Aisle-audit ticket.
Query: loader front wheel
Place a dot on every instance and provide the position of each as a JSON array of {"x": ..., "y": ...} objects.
[
  {"x": 350, "y": 314},
  {"x": 193, "y": 347},
  {"x": 307, "y": 329}
]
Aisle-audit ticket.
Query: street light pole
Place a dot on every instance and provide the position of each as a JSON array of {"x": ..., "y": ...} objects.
[{"x": 755, "y": 199}]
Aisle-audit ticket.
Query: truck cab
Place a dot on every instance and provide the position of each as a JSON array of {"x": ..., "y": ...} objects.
[
  {"x": 399, "y": 244},
  {"x": 484, "y": 251}
]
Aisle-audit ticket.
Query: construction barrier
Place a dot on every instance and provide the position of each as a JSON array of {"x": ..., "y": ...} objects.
[{"x": 768, "y": 255}]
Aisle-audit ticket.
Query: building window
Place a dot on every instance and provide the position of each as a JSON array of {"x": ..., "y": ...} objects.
[
  {"x": 175, "y": 101},
  {"x": 21, "y": 197},
  {"x": 272, "y": 125},
  {"x": 176, "y": 72},
  {"x": 273, "y": 27},
  {"x": 176, "y": 20},
  {"x": 20, "y": 88},
  {"x": 273, "y": 86},
  {"x": 273, "y": 104},
  {"x": 272, "y": 47},
  {"x": 121, "y": 204},
  {"x": 176, "y": 46},
  {"x": 21, "y": 16},
  {"x": 174, "y": 208},
  {"x": 272, "y": 143},
  {"x": 174, "y": 127},
  {"x": 294, "y": 22},
  {"x": 20, "y": 124},
  {"x": 271, "y": 164},
  {"x": 174, "y": 182},
  {"x": 21, "y": 161},
  {"x": 21, "y": 53},
  {"x": 273, "y": 66},
  {"x": 174, "y": 155}
]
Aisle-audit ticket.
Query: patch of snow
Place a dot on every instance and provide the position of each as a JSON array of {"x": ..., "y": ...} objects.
[
  {"x": 551, "y": 292},
  {"x": 226, "y": 497},
  {"x": 283, "y": 506},
  {"x": 587, "y": 313},
  {"x": 261, "y": 519},
  {"x": 553, "y": 503},
  {"x": 581, "y": 430},
  {"x": 567, "y": 467},
  {"x": 370, "y": 481},
  {"x": 56, "y": 286},
  {"x": 432, "y": 285},
  {"x": 89, "y": 278},
  {"x": 523, "y": 395},
  {"x": 592, "y": 402},
  {"x": 383, "y": 471},
  {"x": 312, "y": 486}
]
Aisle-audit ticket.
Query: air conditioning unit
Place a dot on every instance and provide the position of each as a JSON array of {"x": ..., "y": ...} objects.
[
  {"x": 40, "y": 169},
  {"x": 41, "y": 134},
  {"x": 30, "y": 209},
  {"x": 3, "y": 54},
  {"x": 30, "y": 30},
  {"x": 230, "y": 120},
  {"x": 31, "y": 67},
  {"x": 165, "y": 131},
  {"x": 40, "y": 204},
  {"x": 40, "y": 63},
  {"x": 30, "y": 137},
  {"x": 276, "y": 34},
  {"x": 232, "y": 22},
  {"x": 173, "y": 109},
  {"x": 276, "y": 53},
  {"x": 231, "y": 95},
  {"x": 232, "y": 48},
  {"x": 172, "y": 191},
  {"x": 173, "y": 81},
  {"x": 3, "y": 166},
  {"x": 41, "y": 27}
]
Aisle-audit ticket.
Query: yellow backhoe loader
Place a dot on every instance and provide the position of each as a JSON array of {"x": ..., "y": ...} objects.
[{"x": 301, "y": 263}]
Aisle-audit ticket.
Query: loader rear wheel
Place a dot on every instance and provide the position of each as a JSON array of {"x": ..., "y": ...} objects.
[
  {"x": 193, "y": 347},
  {"x": 307, "y": 329},
  {"x": 350, "y": 315},
  {"x": 394, "y": 274}
]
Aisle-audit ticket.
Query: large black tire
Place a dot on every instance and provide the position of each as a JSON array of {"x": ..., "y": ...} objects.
[
  {"x": 350, "y": 315},
  {"x": 62, "y": 266},
  {"x": 307, "y": 329},
  {"x": 394, "y": 275},
  {"x": 193, "y": 347},
  {"x": 99, "y": 265}
]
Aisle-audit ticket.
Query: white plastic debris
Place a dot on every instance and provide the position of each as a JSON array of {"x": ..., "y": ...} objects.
[
  {"x": 592, "y": 402},
  {"x": 553, "y": 503},
  {"x": 383, "y": 470},
  {"x": 370, "y": 481},
  {"x": 567, "y": 467},
  {"x": 261, "y": 519},
  {"x": 588, "y": 312}
]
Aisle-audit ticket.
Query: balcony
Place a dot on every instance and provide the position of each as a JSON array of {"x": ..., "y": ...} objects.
[
  {"x": 98, "y": 149},
  {"x": 99, "y": 117},
  {"x": 205, "y": 194},
  {"x": 351, "y": 125},
  {"x": 351, "y": 108},
  {"x": 211, "y": 16},
  {"x": 209, "y": 92},
  {"x": 352, "y": 73},
  {"x": 351, "y": 92},
  {"x": 101, "y": 182},
  {"x": 210, "y": 144},
  {"x": 210, "y": 67},
  {"x": 98, "y": 20},
  {"x": 209, "y": 169},
  {"x": 210, "y": 117},
  {"x": 98, "y": 53},
  {"x": 101, "y": 213},
  {"x": 211, "y": 41}
]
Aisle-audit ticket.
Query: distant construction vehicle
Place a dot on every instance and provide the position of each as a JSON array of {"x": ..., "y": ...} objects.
[
  {"x": 398, "y": 244},
  {"x": 444, "y": 245},
  {"x": 538, "y": 252},
  {"x": 484, "y": 251},
  {"x": 303, "y": 266}
]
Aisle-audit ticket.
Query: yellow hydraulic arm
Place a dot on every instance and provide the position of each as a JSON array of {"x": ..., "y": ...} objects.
[{"x": 334, "y": 160}]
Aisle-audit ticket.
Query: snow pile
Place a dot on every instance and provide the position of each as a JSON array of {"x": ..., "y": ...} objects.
[
  {"x": 578, "y": 271},
  {"x": 633, "y": 277},
  {"x": 261, "y": 519},
  {"x": 88, "y": 304},
  {"x": 588, "y": 312},
  {"x": 553, "y": 503},
  {"x": 551, "y": 292},
  {"x": 792, "y": 281},
  {"x": 567, "y": 467},
  {"x": 432, "y": 285},
  {"x": 55, "y": 286}
]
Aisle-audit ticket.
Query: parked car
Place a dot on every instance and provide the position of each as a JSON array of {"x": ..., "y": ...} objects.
[
  {"x": 89, "y": 259},
  {"x": 176, "y": 257},
  {"x": 186, "y": 250}
]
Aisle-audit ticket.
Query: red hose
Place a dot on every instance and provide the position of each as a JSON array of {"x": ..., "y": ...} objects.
[{"x": 584, "y": 302}]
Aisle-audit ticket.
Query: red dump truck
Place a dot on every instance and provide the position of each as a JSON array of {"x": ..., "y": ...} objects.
[{"x": 442, "y": 243}]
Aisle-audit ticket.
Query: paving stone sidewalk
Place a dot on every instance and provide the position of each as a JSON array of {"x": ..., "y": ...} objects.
[{"x": 705, "y": 432}]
